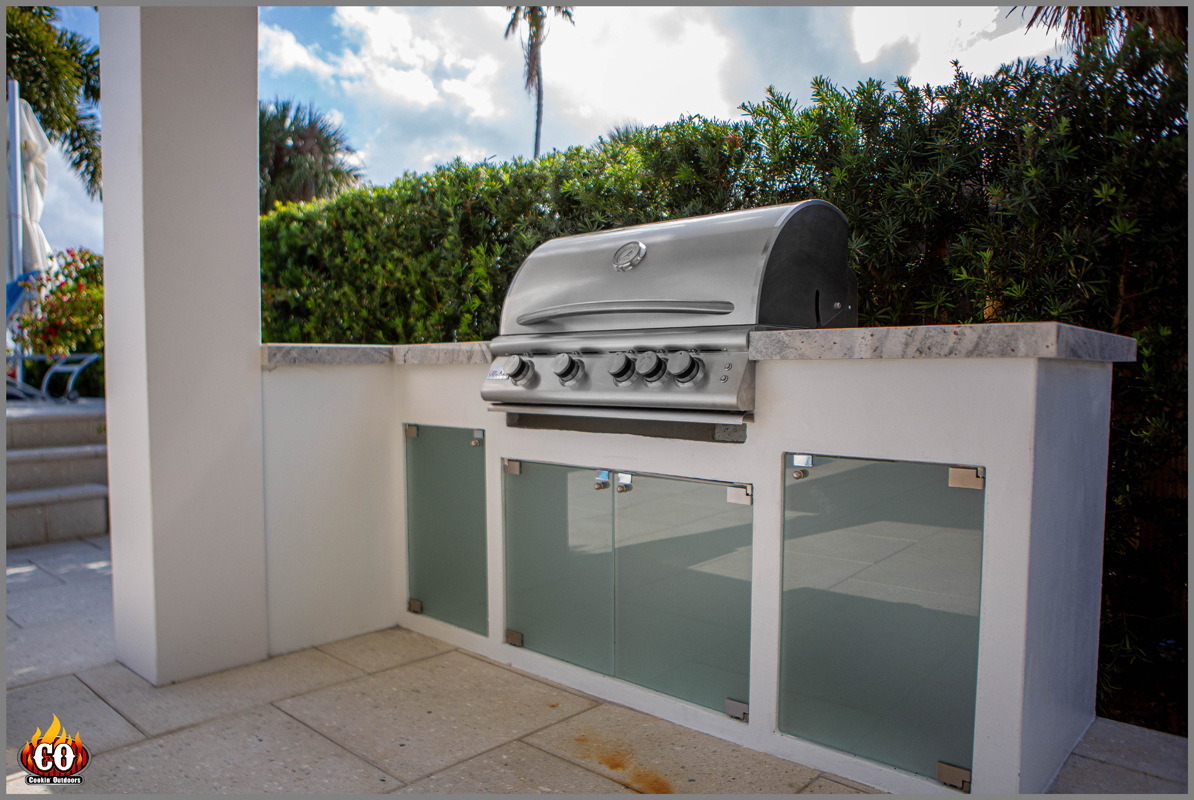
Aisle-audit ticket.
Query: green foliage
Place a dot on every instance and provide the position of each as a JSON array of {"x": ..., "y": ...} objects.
[
  {"x": 1043, "y": 192},
  {"x": 303, "y": 156},
  {"x": 59, "y": 76},
  {"x": 66, "y": 313}
]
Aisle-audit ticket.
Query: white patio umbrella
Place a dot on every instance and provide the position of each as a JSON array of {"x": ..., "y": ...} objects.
[{"x": 28, "y": 248}]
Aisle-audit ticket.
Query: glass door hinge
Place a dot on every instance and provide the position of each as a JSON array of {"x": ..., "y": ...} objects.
[
  {"x": 737, "y": 710},
  {"x": 511, "y": 467},
  {"x": 742, "y": 494},
  {"x": 513, "y": 638},
  {"x": 411, "y": 431},
  {"x": 414, "y": 606},
  {"x": 968, "y": 477},
  {"x": 953, "y": 776}
]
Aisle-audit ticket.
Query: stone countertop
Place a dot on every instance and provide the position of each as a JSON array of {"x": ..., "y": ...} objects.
[
  {"x": 294, "y": 355},
  {"x": 1003, "y": 340}
]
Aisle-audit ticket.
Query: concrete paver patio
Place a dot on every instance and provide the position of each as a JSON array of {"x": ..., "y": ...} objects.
[{"x": 391, "y": 711}]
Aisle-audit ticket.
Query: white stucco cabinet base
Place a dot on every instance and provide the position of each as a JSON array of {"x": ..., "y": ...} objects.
[{"x": 1028, "y": 404}]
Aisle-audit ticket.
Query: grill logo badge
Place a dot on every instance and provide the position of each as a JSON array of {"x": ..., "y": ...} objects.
[
  {"x": 496, "y": 373},
  {"x": 628, "y": 256},
  {"x": 54, "y": 757}
]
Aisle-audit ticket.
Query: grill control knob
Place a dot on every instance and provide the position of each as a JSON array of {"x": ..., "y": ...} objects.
[
  {"x": 566, "y": 367},
  {"x": 650, "y": 366},
  {"x": 683, "y": 367},
  {"x": 622, "y": 367},
  {"x": 518, "y": 368}
]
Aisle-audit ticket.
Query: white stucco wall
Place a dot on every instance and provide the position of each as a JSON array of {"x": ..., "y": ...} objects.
[
  {"x": 1065, "y": 579},
  {"x": 981, "y": 411},
  {"x": 335, "y": 561}
]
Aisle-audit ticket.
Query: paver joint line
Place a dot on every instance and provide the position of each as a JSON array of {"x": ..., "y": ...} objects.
[
  {"x": 401, "y": 783},
  {"x": 1120, "y": 766},
  {"x": 180, "y": 728},
  {"x": 536, "y": 678},
  {"x": 117, "y": 710},
  {"x": 384, "y": 669}
]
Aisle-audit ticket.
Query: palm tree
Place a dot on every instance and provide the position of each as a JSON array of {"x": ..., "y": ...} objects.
[
  {"x": 534, "y": 17},
  {"x": 1083, "y": 24},
  {"x": 303, "y": 155},
  {"x": 59, "y": 76}
]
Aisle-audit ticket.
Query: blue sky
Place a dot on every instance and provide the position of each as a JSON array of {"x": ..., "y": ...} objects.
[{"x": 416, "y": 87}]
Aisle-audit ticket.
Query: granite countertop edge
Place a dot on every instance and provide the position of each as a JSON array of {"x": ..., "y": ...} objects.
[
  {"x": 1051, "y": 340},
  {"x": 293, "y": 355}
]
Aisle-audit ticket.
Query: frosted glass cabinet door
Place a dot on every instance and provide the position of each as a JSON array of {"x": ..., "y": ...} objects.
[
  {"x": 683, "y": 590},
  {"x": 559, "y": 563},
  {"x": 879, "y": 650},
  {"x": 445, "y": 526}
]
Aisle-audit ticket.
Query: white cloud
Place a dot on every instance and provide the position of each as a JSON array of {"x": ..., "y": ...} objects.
[
  {"x": 459, "y": 148},
  {"x": 940, "y": 35},
  {"x": 70, "y": 218},
  {"x": 476, "y": 90},
  {"x": 280, "y": 51},
  {"x": 648, "y": 64},
  {"x": 389, "y": 60},
  {"x": 387, "y": 35},
  {"x": 394, "y": 60}
]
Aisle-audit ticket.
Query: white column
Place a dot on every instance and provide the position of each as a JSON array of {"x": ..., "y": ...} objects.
[{"x": 183, "y": 331}]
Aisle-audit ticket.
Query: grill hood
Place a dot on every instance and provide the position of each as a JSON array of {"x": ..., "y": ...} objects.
[{"x": 776, "y": 267}]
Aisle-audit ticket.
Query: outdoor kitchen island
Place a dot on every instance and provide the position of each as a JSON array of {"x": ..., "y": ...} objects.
[{"x": 826, "y": 563}]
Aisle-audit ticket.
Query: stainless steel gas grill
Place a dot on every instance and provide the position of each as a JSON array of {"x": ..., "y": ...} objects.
[{"x": 655, "y": 318}]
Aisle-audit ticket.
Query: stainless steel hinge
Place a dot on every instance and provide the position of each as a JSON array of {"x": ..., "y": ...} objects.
[
  {"x": 411, "y": 431},
  {"x": 478, "y": 438},
  {"x": 602, "y": 481},
  {"x": 737, "y": 710},
  {"x": 414, "y": 606},
  {"x": 511, "y": 467},
  {"x": 513, "y": 638},
  {"x": 741, "y": 494},
  {"x": 625, "y": 482},
  {"x": 953, "y": 776},
  {"x": 968, "y": 477}
]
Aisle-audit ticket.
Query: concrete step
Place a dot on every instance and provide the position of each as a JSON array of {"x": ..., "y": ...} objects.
[
  {"x": 47, "y": 467},
  {"x": 36, "y": 425},
  {"x": 36, "y": 516}
]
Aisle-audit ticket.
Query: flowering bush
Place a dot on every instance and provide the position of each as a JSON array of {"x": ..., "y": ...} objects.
[{"x": 66, "y": 310}]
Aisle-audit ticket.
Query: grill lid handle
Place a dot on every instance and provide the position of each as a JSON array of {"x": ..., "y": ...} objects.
[{"x": 715, "y": 307}]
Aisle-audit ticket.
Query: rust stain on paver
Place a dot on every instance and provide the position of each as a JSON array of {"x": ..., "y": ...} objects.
[
  {"x": 650, "y": 782},
  {"x": 553, "y": 705},
  {"x": 613, "y": 759},
  {"x": 620, "y": 758}
]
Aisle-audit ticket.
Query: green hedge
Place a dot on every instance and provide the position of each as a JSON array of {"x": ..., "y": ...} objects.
[{"x": 1044, "y": 192}]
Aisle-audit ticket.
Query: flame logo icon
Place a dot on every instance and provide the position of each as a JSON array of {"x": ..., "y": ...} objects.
[{"x": 54, "y": 754}]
